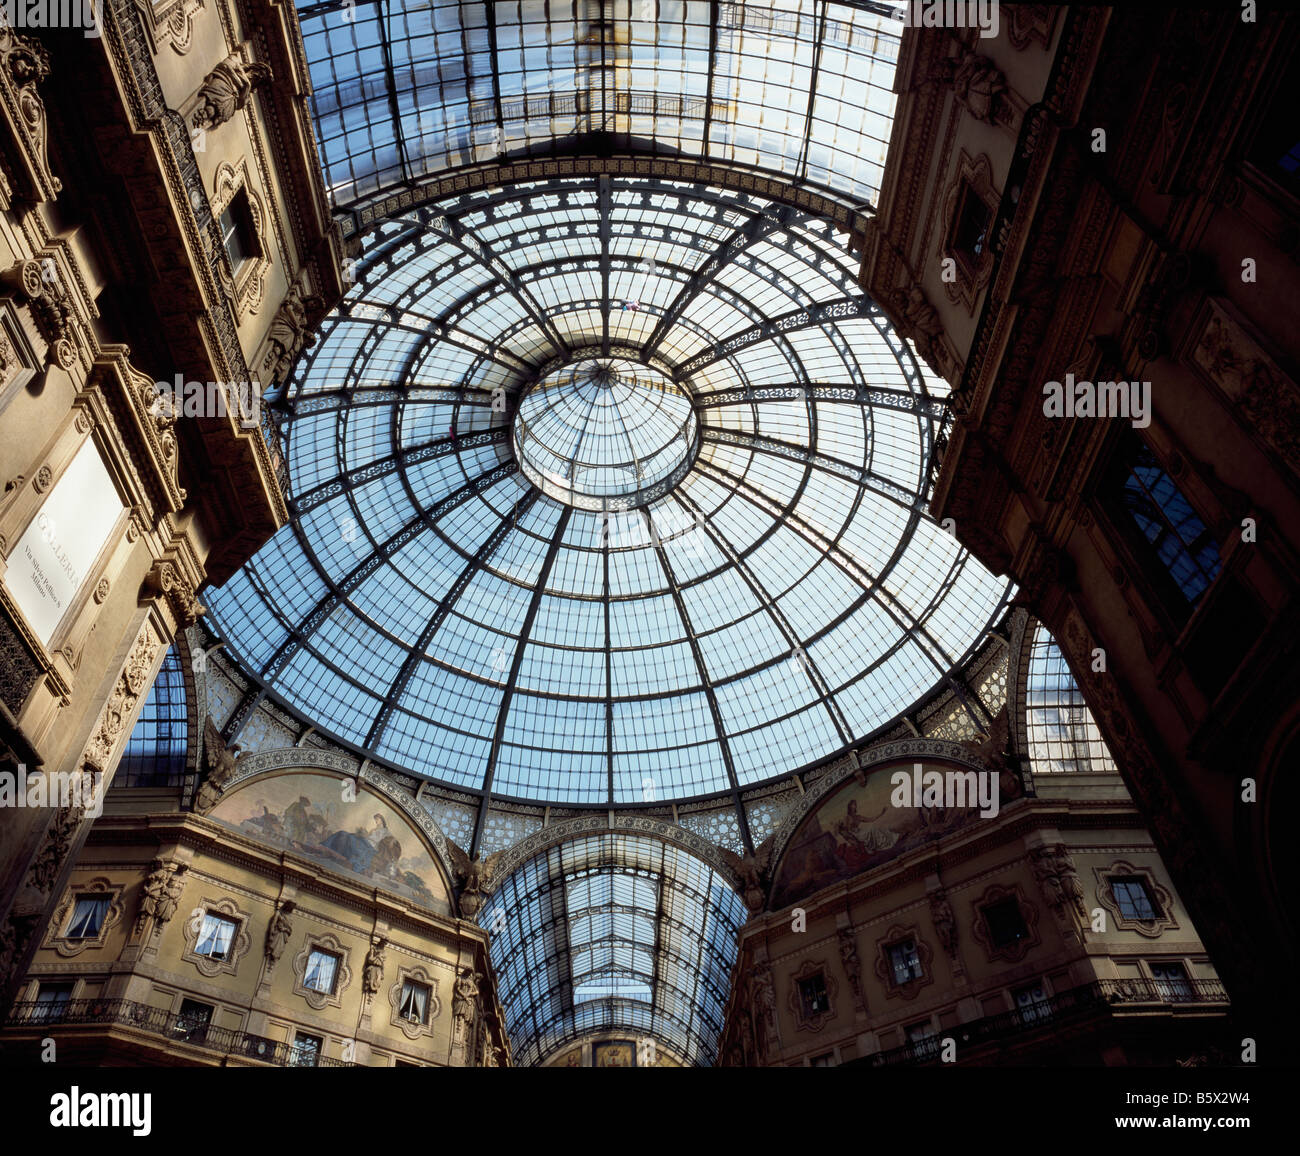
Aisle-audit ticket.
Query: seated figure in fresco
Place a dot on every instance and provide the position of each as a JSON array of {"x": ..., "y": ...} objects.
[
  {"x": 861, "y": 838},
  {"x": 372, "y": 852}
]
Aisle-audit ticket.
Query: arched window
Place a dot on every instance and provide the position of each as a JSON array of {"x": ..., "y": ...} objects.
[
  {"x": 155, "y": 752},
  {"x": 1063, "y": 735}
]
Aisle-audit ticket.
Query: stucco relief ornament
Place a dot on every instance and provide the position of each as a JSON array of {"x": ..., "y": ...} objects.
[
  {"x": 131, "y": 684},
  {"x": 226, "y": 90},
  {"x": 161, "y": 894},
  {"x": 1055, "y": 871},
  {"x": 220, "y": 761},
  {"x": 475, "y": 874},
  {"x": 978, "y": 83},
  {"x": 290, "y": 332}
]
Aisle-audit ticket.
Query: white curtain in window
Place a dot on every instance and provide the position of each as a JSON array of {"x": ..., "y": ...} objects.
[
  {"x": 88, "y": 918},
  {"x": 320, "y": 971},
  {"x": 216, "y": 936}
]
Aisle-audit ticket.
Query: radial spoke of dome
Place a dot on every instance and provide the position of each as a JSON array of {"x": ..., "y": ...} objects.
[
  {"x": 412, "y": 661},
  {"x": 705, "y": 681},
  {"x": 525, "y": 629},
  {"x": 858, "y": 475},
  {"x": 905, "y": 619},
  {"x": 765, "y": 599},
  {"x": 605, "y": 211},
  {"x": 609, "y": 657},
  {"x": 337, "y": 592},
  {"x": 838, "y": 310},
  {"x": 759, "y": 226},
  {"x": 359, "y": 475},
  {"x": 465, "y": 239}
]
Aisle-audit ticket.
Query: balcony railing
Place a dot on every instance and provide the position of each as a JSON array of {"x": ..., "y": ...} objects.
[
  {"x": 1096, "y": 996},
  {"x": 161, "y": 1022}
]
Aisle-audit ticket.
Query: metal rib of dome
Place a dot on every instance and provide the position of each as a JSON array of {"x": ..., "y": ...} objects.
[{"x": 787, "y": 596}]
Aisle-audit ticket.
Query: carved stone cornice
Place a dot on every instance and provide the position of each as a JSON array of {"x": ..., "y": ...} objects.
[
  {"x": 150, "y": 426},
  {"x": 24, "y": 66}
]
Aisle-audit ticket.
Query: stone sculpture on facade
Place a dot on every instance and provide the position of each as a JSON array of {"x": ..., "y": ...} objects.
[
  {"x": 278, "y": 934},
  {"x": 226, "y": 90}
]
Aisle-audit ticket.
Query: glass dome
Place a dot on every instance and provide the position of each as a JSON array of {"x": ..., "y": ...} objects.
[
  {"x": 715, "y": 564},
  {"x": 605, "y": 434}
]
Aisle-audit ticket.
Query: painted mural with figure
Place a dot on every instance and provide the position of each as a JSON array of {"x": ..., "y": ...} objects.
[
  {"x": 353, "y": 833},
  {"x": 856, "y": 827}
]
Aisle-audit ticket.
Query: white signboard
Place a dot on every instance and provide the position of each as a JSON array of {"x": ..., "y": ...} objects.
[{"x": 60, "y": 545}]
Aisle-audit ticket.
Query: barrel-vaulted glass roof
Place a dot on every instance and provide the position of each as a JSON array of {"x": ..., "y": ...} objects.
[
  {"x": 405, "y": 91},
  {"x": 783, "y": 598},
  {"x": 613, "y": 931}
]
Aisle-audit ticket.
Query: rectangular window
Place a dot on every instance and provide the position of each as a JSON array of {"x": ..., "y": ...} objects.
[
  {"x": 1005, "y": 923},
  {"x": 812, "y": 995},
  {"x": 1172, "y": 983},
  {"x": 216, "y": 936},
  {"x": 87, "y": 917},
  {"x": 970, "y": 232},
  {"x": 414, "y": 1006},
  {"x": 825, "y": 1061},
  {"x": 1175, "y": 533},
  {"x": 1133, "y": 899},
  {"x": 1031, "y": 1003},
  {"x": 306, "y": 1050},
  {"x": 238, "y": 233},
  {"x": 51, "y": 1000},
  {"x": 322, "y": 966},
  {"x": 906, "y": 963}
]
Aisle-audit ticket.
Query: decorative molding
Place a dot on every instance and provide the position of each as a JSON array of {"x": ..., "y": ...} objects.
[
  {"x": 173, "y": 23},
  {"x": 99, "y": 887},
  {"x": 1010, "y": 952},
  {"x": 239, "y": 946},
  {"x": 794, "y": 1001},
  {"x": 975, "y": 174},
  {"x": 900, "y": 933},
  {"x": 1148, "y": 928},
  {"x": 120, "y": 709},
  {"x": 249, "y": 287},
  {"x": 320, "y": 1000},
  {"x": 413, "y": 1031},
  {"x": 24, "y": 66}
]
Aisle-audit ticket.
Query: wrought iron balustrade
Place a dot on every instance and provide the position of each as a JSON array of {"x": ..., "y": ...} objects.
[{"x": 170, "y": 1025}]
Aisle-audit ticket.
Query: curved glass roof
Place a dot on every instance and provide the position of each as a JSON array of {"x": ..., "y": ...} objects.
[
  {"x": 786, "y": 597},
  {"x": 800, "y": 89},
  {"x": 605, "y": 433},
  {"x": 613, "y": 931}
]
